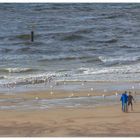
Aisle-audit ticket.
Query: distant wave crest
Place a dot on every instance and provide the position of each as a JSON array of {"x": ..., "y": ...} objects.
[
  {"x": 119, "y": 60},
  {"x": 16, "y": 70}
]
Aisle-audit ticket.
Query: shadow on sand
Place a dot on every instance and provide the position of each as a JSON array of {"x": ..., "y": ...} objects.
[{"x": 134, "y": 112}]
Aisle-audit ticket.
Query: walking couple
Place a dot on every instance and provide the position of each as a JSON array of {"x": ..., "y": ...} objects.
[{"x": 126, "y": 101}]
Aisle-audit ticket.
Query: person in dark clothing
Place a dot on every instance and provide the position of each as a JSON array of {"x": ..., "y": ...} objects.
[{"x": 130, "y": 100}]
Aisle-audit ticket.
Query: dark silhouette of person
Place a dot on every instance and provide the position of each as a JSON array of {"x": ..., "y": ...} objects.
[{"x": 130, "y": 101}]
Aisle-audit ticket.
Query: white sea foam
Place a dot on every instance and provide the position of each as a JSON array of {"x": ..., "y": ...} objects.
[
  {"x": 119, "y": 59},
  {"x": 113, "y": 70},
  {"x": 16, "y": 70}
]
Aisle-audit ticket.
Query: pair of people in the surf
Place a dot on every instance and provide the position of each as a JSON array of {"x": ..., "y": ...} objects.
[{"x": 127, "y": 100}]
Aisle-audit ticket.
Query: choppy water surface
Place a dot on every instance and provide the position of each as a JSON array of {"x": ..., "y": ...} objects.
[{"x": 99, "y": 42}]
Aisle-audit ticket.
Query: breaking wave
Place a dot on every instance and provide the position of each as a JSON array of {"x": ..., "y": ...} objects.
[{"x": 16, "y": 70}]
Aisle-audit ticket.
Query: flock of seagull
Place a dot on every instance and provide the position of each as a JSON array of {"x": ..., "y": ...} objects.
[
  {"x": 91, "y": 89},
  {"x": 64, "y": 83}
]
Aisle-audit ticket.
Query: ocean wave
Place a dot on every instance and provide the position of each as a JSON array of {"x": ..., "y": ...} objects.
[
  {"x": 125, "y": 46},
  {"x": 93, "y": 60},
  {"x": 29, "y": 50},
  {"x": 113, "y": 40},
  {"x": 133, "y": 46},
  {"x": 84, "y": 31},
  {"x": 109, "y": 61},
  {"x": 16, "y": 70},
  {"x": 5, "y": 50},
  {"x": 112, "y": 70},
  {"x": 3, "y": 77},
  {"x": 114, "y": 16},
  {"x": 72, "y": 37},
  {"x": 23, "y": 36},
  {"x": 119, "y": 60},
  {"x": 63, "y": 57}
]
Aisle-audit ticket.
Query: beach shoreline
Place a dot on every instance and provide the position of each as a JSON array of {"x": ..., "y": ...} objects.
[{"x": 41, "y": 99}]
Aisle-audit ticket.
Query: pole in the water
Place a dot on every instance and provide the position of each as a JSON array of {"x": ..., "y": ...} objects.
[{"x": 32, "y": 36}]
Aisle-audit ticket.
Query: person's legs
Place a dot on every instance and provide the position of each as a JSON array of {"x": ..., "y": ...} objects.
[
  {"x": 126, "y": 107},
  {"x": 131, "y": 107},
  {"x": 123, "y": 107}
]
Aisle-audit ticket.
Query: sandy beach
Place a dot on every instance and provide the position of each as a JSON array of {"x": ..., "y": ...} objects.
[
  {"x": 98, "y": 121},
  {"x": 64, "y": 66}
]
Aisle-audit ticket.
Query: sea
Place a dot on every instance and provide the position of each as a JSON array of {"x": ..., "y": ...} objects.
[
  {"x": 77, "y": 46},
  {"x": 73, "y": 42}
]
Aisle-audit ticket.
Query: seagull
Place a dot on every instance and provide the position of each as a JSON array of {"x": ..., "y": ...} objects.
[
  {"x": 36, "y": 98},
  {"x": 88, "y": 94},
  {"x": 51, "y": 93},
  {"x": 132, "y": 87},
  {"x": 82, "y": 84},
  {"x": 116, "y": 94},
  {"x": 56, "y": 83},
  {"x": 91, "y": 89},
  {"x": 71, "y": 95},
  {"x": 103, "y": 96},
  {"x": 51, "y": 86},
  {"x": 105, "y": 90},
  {"x": 64, "y": 83}
]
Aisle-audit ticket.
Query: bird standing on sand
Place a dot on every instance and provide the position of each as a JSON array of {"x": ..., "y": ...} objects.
[
  {"x": 36, "y": 98},
  {"x": 88, "y": 94},
  {"x": 51, "y": 90},
  {"x": 105, "y": 90},
  {"x": 116, "y": 94},
  {"x": 82, "y": 84},
  {"x": 91, "y": 89},
  {"x": 71, "y": 95},
  {"x": 103, "y": 94}
]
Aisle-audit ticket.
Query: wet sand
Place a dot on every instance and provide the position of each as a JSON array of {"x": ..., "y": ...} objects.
[
  {"x": 71, "y": 122},
  {"x": 56, "y": 94}
]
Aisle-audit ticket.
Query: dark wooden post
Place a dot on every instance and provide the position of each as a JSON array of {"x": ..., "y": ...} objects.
[{"x": 32, "y": 36}]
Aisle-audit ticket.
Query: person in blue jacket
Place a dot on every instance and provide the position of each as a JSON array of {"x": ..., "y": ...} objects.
[{"x": 124, "y": 100}]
